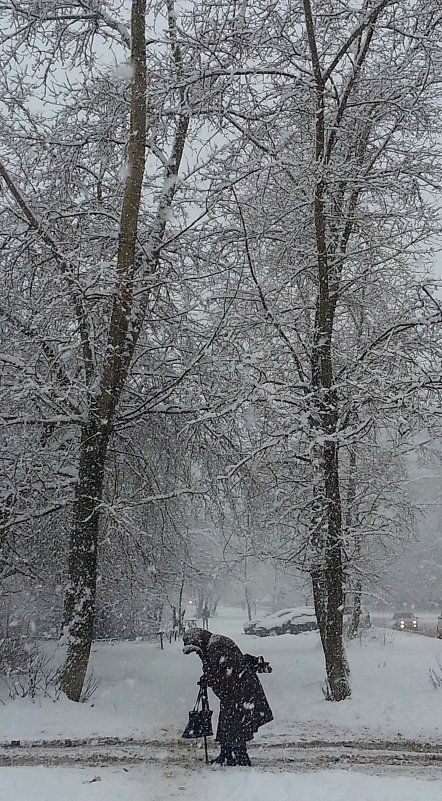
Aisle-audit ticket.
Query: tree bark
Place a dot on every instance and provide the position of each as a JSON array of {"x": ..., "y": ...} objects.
[
  {"x": 329, "y": 592},
  {"x": 79, "y": 607},
  {"x": 355, "y": 621},
  {"x": 80, "y": 596},
  {"x": 320, "y": 603},
  {"x": 248, "y": 604},
  {"x": 354, "y": 624}
]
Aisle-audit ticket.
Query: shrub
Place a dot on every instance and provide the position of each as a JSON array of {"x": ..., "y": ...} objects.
[{"x": 25, "y": 670}]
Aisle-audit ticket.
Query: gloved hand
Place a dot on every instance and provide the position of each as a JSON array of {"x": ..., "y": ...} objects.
[{"x": 263, "y": 666}]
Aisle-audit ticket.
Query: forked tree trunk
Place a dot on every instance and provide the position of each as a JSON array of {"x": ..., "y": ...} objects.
[
  {"x": 105, "y": 383},
  {"x": 79, "y": 606}
]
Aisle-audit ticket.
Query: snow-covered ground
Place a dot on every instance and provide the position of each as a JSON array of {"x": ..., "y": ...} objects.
[
  {"x": 239, "y": 784},
  {"x": 145, "y": 693}
]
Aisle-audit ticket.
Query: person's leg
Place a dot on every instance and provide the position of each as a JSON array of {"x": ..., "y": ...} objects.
[
  {"x": 225, "y": 756},
  {"x": 241, "y": 755}
]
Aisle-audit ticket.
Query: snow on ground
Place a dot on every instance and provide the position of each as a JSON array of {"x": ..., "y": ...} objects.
[
  {"x": 146, "y": 693},
  {"x": 239, "y": 784}
]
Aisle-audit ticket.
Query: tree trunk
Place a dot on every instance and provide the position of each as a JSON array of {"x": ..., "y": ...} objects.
[
  {"x": 327, "y": 595},
  {"x": 325, "y": 415},
  {"x": 78, "y": 615},
  {"x": 354, "y": 624},
  {"x": 246, "y": 577},
  {"x": 80, "y": 596},
  {"x": 200, "y": 603},
  {"x": 355, "y": 621},
  {"x": 328, "y": 579},
  {"x": 248, "y": 604},
  {"x": 320, "y": 603},
  {"x": 336, "y": 663}
]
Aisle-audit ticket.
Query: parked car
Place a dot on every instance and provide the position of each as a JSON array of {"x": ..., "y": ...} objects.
[
  {"x": 251, "y": 627},
  {"x": 364, "y": 617},
  {"x": 286, "y": 621},
  {"x": 405, "y": 621},
  {"x": 439, "y": 627}
]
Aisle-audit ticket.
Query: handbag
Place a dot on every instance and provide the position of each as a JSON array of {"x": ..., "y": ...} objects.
[{"x": 200, "y": 720}]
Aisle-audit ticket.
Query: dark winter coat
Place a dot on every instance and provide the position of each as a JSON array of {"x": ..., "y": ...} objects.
[{"x": 243, "y": 705}]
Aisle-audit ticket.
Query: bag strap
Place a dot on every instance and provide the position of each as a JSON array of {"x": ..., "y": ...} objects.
[
  {"x": 198, "y": 700},
  {"x": 202, "y": 698}
]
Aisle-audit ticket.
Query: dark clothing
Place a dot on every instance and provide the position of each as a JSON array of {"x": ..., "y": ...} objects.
[
  {"x": 243, "y": 705},
  {"x": 240, "y": 755},
  {"x": 233, "y": 756}
]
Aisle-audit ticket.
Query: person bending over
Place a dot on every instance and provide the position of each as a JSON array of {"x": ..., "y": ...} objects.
[{"x": 232, "y": 677}]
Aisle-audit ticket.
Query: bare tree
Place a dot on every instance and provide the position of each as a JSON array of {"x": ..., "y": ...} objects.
[
  {"x": 298, "y": 232},
  {"x": 125, "y": 304},
  {"x": 338, "y": 129}
]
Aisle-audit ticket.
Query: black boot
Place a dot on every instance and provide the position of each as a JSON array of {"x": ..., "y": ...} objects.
[
  {"x": 241, "y": 756},
  {"x": 225, "y": 757}
]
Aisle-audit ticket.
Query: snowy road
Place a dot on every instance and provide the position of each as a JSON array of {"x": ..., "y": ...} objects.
[
  {"x": 427, "y": 622},
  {"x": 376, "y": 757}
]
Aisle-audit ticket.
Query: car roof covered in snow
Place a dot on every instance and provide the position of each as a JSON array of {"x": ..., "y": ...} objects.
[{"x": 298, "y": 613}]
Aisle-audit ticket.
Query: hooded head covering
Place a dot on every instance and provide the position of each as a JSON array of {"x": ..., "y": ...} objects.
[{"x": 196, "y": 640}]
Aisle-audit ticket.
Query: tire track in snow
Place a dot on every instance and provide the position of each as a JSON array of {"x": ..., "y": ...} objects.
[{"x": 374, "y": 756}]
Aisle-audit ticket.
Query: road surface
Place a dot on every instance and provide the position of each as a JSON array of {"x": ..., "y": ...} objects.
[{"x": 427, "y": 621}]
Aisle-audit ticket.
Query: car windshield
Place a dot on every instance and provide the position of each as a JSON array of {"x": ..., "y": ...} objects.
[{"x": 405, "y": 615}]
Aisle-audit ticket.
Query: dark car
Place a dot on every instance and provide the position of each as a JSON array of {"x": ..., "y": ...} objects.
[
  {"x": 405, "y": 621},
  {"x": 286, "y": 621}
]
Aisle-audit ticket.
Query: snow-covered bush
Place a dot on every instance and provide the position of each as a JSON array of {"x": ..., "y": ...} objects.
[{"x": 25, "y": 670}]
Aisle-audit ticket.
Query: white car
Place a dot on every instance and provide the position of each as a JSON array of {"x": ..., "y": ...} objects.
[{"x": 286, "y": 621}]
